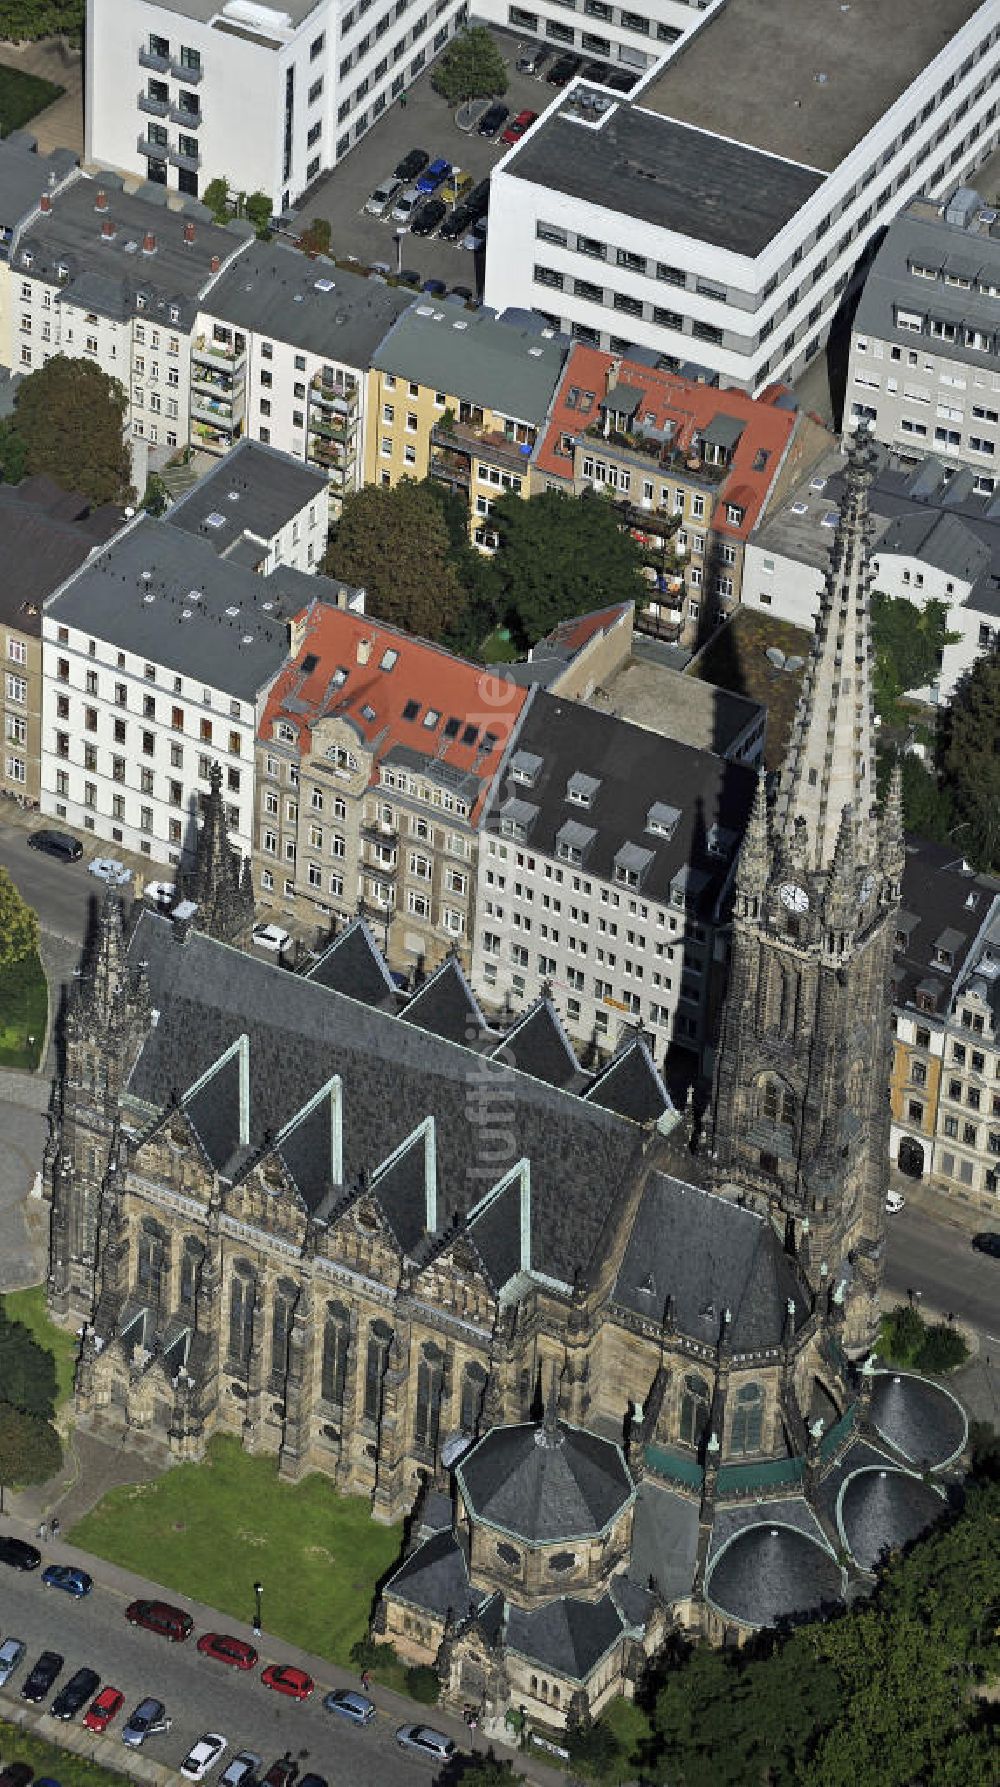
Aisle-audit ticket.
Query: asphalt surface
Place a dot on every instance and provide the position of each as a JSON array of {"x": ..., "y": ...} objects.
[
  {"x": 936, "y": 1257},
  {"x": 61, "y": 893},
  {"x": 199, "y": 1694}
]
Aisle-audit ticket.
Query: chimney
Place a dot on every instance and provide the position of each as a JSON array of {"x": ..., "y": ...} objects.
[
  {"x": 108, "y": 231},
  {"x": 149, "y": 243},
  {"x": 189, "y": 231},
  {"x": 297, "y": 632},
  {"x": 364, "y": 650},
  {"x": 45, "y": 202},
  {"x": 611, "y": 376},
  {"x": 214, "y": 264},
  {"x": 101, "y": 201}
]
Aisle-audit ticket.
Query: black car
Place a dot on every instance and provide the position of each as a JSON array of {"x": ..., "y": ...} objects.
[
  {"x": 621, "y": 81},
  {"x": 18, "y": 1553},
  {"x": 478, "y": 201},
  {"x": 410, "y": 276},
  {"x": 17, "y": 1774},
  {"x": 428, "y": 218},
  {"x": 456, "y": 223},
  {"x": 57, "y": 843},
  {"x": 597, "y": 71},
  {"x": 79, "y": 1690},
  {"x": 493, "y": 120},
  {"x": 563, "y": 70},
  {"x": 988, "y": 1242},
  {"x": 412, "y": 164},
  {"x": 38, "y": 1683}
]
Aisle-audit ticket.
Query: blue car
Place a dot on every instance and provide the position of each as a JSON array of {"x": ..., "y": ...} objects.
[
  {"x": 432, "y": 177},
  {"x": 67, "y": 1576}
]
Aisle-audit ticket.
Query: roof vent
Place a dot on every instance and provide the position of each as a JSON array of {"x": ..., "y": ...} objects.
[
  {"x": 215, "y": 519},
  {"x": 214, "y": 264},
  {"x": 324, "y": 285},
  {"x": 232, "y": 612},
  {"x": 247, "y": 639},
  {"x": 185, "y": 614},
  {"x": 193, "y": 595},
  {"x": 149, "y": 596},
  {"x": 425, "y": 310},
  {"x": 536, "y": 352},
  {"x": 460, "y": 323}
]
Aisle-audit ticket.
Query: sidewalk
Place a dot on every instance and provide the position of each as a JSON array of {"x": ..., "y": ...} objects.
[{"x": 944, "y": 1206}]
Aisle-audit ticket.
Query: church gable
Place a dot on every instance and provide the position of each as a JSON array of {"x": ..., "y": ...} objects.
[
  {"x": 354, "y": 964},
  {"x": 218, "y": 1105},
  {"x": 538, "y": 1045},
  {"x": 447, "y": 1006},
  {"x": 311, "y": 1147},
  {"x": 632, "y": 1086},
  {"x": 406, "y": 1187},
  {"x": 172, "y": 1151}
]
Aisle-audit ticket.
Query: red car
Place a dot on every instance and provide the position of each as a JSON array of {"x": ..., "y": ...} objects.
[
  {"x": 286, "y": 1679},
  {"x": 159, "y": 1616},
  {"x": 234, "y": 1651},
  {"x": 101, "y": 1711},
  {"x": 517, "y": 126}
]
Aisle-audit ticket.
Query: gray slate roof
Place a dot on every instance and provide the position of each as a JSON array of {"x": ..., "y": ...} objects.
[
  {"x": 937, "y": 896},
  {"x": 769, "y": 1573},
  {"x": 475, "y": 355},
  {"x": 922, "y": 1420},
  {"x": 542, "y": 1487},
  {"x": 255, "y": 489},
  {"x": 272, "y": 291},
  {"x": 434, "y": 1577},
  {"x": 394, "y": 1076},
  {"x": 882, "y": 1510},
  {"x": 920, "y": 235},
  {"x": 567, "y": 1636},
  {"x": 708, "y": 1255},
  {"x": 664, "y": 1540},
  {"x": 24, "y": 176},
  {"x": 238, "y": 651},
  {"x": 45, "y": 535}
]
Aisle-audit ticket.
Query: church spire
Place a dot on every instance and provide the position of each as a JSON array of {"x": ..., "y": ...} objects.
[
  {"x": 223, "y": 895},
  {"x": 831, "y": 755},
  {"x": 754, "y": 863},
  {"x": 104, "y": 981},
  {"x": 892, "y": 845}
]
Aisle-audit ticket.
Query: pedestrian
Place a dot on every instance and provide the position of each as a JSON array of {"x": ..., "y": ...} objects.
[
  {"x": 366, "y": 1680},
  {"x": 55, "y": 1527},
  {"x": 402, "y": 102},
  {"x": 43, "y": 1531}
]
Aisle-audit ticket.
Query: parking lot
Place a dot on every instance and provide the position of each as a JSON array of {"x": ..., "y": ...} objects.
[{"x": 428, "y": 123}]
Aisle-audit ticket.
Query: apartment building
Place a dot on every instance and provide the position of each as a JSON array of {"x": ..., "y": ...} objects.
[
  {"x": 625, "y": 37},
  {"x": 945, "y": 1088},
  {"x": 24, "y": 177},
  {"x": 115, "y": 277},
  {"x": 45, "y": 534},
  {"x": 375, "y": 755},
  {"x": 721, "y": 211},
  {"x": 157, "y": 658},
  {"x": 691, "y": 467},
  {"x": 281, "y": 352},
  {"x": 936, "y": 533},
  {"x": 259, "y": 509},
  {"x": 186, "y": 91},
  {"x": 462, "y": 396},
  {"x": 924, "y": 368},
  {"x": 606, "y": 855}
]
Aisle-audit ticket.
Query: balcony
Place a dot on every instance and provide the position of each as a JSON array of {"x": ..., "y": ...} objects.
[
  {"x": 189, "y": 120},
  {"x": 490, "y": 444},
  {"x": 213, "y": 440},
  {"x": 213, "y": 352},
  {"x": 378, "y": 833},
  {"x": 156, "y": 108},
  {"x": 333, "y": 396},
  {"x": 213, "y": 379},
  {"x": 210, "y": 409},
  {"x": 190, "y": 76},
  {"x": 333, "y": 428},
  {"x": 178, "y": 159},
  {"x": 159, "y": 64},
  {"x": 646, "y": 448},
  {"x": 154, "y": 151},
  {"x": 451, "y": 468}
]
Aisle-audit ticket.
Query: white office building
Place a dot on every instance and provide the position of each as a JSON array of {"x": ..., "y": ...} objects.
[
  {"x": 265, "y": 96},
  {"x": 719, "y": 213},
  {"x": 632, "y": 36}
]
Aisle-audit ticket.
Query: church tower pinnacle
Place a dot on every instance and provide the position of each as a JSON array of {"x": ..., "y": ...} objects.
[
  {"x": 800, "y": 1113},
  {"x": 222, "y": 890}
]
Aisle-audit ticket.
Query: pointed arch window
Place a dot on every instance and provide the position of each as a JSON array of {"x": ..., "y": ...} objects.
[
  {"x": 282, "y": 1310},
  {"x": 473, "y": 1391},
  {"x": 242, "y": 1296},
  {"x": 376, "y": 1363},
  {"x": 336, "y": 1345},
  {"x": 430, "y": 1383},
  {"x": 777, "y": 1102},
  {"x": 192, "y": 1256},
  {"x": 694, "y": 1410},
  {"x": 150, "y": 1261},
  {"x": 748, "y": 1420}
]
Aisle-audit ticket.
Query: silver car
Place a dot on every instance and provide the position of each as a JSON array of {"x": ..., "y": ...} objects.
[
  {"x": 240, "y": 1770},
  {"x": 406, "y": 204},
  {"x": 382, "y": 197},
  {"x": 426, "y": 1742},
  {"x": 11, "y": 1656},
  {"x": 148, "y": 1720}
]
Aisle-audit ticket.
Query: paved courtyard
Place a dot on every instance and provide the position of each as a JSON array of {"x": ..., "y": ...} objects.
[{"x": 60, "y": 126}]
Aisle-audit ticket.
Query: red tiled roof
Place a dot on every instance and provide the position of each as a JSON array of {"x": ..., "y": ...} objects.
[
  {"x": 690, "y": 407},
  {"x": 392, "y": 683},
  {"x": 572, "y": 635}
]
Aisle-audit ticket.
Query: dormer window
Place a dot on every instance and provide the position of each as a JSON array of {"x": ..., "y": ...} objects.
[
  {"x": 524, "y": 768},
  {"x": 284, "y": 733},
  {"x": 573, "y": 842},
  {"x": 517, "y": 818},
  {"x": 735, "y": 514},
  {"x": 581, "y": 790},
  {"x": 631, "y": 863},
  {"x": 662, "y": 820}
]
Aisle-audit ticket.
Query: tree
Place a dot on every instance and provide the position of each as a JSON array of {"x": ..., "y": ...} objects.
[
  {"x": 490, "y": 1771},
  {"x": 27, "y": 20},
  {"x": 18, "y": 923},
  {"x": 216, "y": 197},
  {"x": 470, "y": 68},
  {"x": 257, "y": 207},
  {"x": 27, "y": 1370},
  {"x": 927, "y": 808},
  {"x": 908, "y": 643},
  {"x": 317, "y": 236},
  {"x": 13, "y": 452},
  {"x": 30, "y": 1448},
  {"x": 70, "y": 416},
  {"x": 559, "y": 556},
  {"x": 395, "y": 543},
  {"x": 971, "y": 762}
]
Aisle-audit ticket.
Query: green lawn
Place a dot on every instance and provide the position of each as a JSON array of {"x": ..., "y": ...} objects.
[
  {"x": 29, "y": 1307},
  {"x": 22, "y": 97},
  {"x": 24, "y": 1004},
  {"x": 210, "y": 1530},
  {"x": 47, "y": 1760}
]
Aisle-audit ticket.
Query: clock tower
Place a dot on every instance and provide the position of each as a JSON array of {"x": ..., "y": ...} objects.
[{"x": 801, "y": 1099}]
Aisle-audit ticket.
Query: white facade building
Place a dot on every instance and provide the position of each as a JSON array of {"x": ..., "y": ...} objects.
[
  {"x": 633, "y": 36},
  {"x": 265, "y": 96},
  {"x": 719, "y": 214}
]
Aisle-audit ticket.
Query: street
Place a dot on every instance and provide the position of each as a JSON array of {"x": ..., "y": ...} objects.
[
  {"x": 61, "y": 893},
  {"x": 931, "y": 1255}
]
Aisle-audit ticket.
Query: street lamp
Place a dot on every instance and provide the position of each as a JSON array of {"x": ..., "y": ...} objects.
[
  {"x": 258, "y": 1589},
  {"x": 399, "y": 251}
]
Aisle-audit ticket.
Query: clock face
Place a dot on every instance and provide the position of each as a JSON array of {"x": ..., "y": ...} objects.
[{"x": 794, "y": 897}]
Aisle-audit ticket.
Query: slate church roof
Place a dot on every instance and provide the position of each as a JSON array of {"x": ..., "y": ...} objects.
[{"x": 545, "y": 1483}]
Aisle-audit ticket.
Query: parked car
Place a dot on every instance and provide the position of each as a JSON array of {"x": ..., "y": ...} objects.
[
  {"x": 203, "y": 1756},
  {"x": 406, "y": 204},
  {"x": 435, "y": 288},
  {"x": 426, "y": 1741},
  {"x": 38, "y": 1683},
  {"x": 563, "y": 70},
  {"x": 349, "y": 1705},
  {"x": 456, "y": 223},
  {"x": 148, "y": 1719},
  {"x": 11, "y": 1657},
  {"x": 240, "y": 1770},
  {"x": 621, "y": 81},
  {"x": 894, "y": 1201},
  {"x": 72, "y": 1699},
  {"x": 428, "y": 217},
  {"x": 18, "y": 1553},
  {"x": 533, "y": 59},
  {"x": 988, "y": 1241},
  {"x": 17, "y": 1774},
  {"x": 454, "y": 189},
  {"x": 478, "y": 201},
  {"x": 159, "y": 1616},
  {"x": 311, "y": 1780},
  {"x": 467, "y": 296},
  {"x": 433, "y": 176},
  {"x": 285, "y": 1678},
  {"x": 381, "y": 199},
  {"x": 412, "y": 164},
  {"x": 234, "y": 1651},
  {"x": 160, "y": 894},
  {"x": 106, "y": 1707},
  {"x": 410, "y": 276},
  {"x": 109, "y": 870},
  {"x": 598, "y": 72},
  {"x": 493, "y": 120},
  {"x": 517, "y": 126},
  {"x": 66, "y": 1576},
  {"x": 475, "y": 239},
  {"x": 272, "y": 938},
  {"x": 58, "y": 844},
  {"x": 281, "y": 1773}
]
